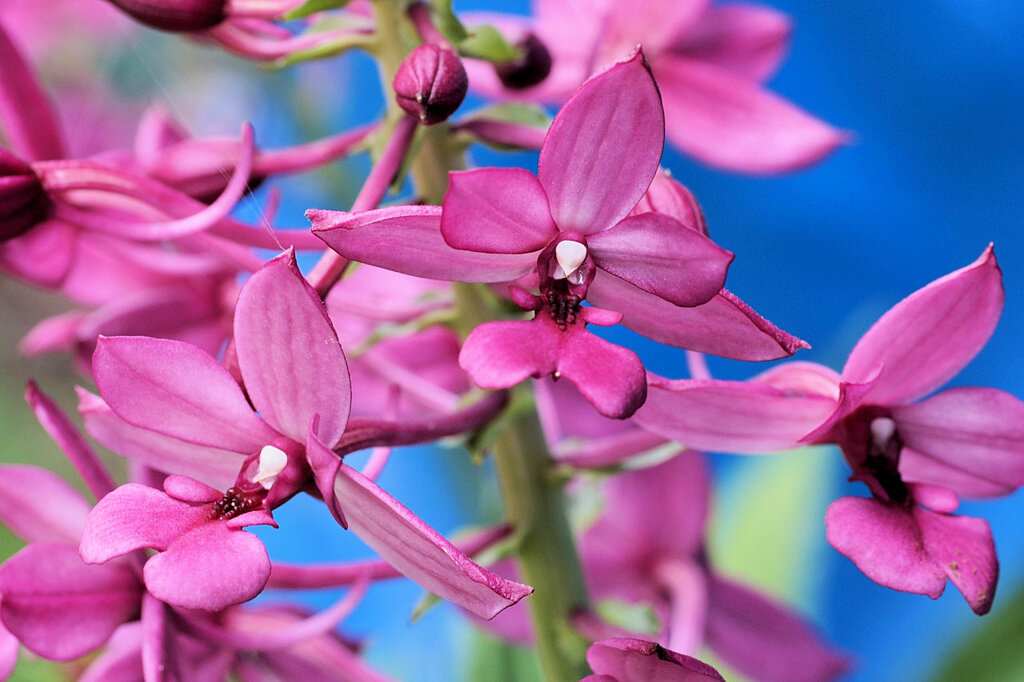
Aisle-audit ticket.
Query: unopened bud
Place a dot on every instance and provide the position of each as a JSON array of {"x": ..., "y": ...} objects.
[
  {"x": 175, "y": 15},
  {"x": 23, "y": 201},
  {"x": 530, "y": 68},
  {"x": 431, "y": 83}
]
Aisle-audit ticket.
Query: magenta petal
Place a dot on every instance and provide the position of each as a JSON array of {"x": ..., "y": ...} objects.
[
  {"x": 611, "y": 377},
  {"x": 408, "y": 239},
  {"x": 729, "y": 121},
  {"x": 325, "y": 465},
  {"x": 976, "y": 431},
  {"x": 928, "y": 337},
  {"x": 885, "y": 543},
  {"x": 61, "y": 608},
  {"x": 211, "y": 567},
  {"x": 8, "y": 652},
  {"x": 602, "y": 149},
  {"x": 190, "y": 490},
  {"x": 501, "y": 354},
  {"x": 723, "y": 326},
  {"x": 176, "y": 389},
  {"x": 766, "y": 641},
  {"x": 29, "y": 122},
  {"x": 962, "y": 547},
  {"x": 132, "y": 517},
  {"x": 660, "y": 255},
  {"x": 731, "y": 416},
  {"x": 418, "y": 551},
  {"x": 746, "y": 39},
  {"x": 496, "y": 210},
  {"x": 289, "y": 354},
  {"x": 636, "y": 660},
  {"x": 39, "y": 506}
]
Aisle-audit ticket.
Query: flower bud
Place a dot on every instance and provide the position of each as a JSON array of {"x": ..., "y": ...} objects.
[
  {"x": 175, "y": 15},
  {"x": 23, "y": 201},
  {"x": 527, "y": 70},
  {"x": 431, "y": 83}
]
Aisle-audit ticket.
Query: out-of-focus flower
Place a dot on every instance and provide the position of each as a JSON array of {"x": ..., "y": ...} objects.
[{"x": 637, "y": 660}]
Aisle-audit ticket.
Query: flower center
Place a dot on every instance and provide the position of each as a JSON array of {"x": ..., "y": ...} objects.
[
  {"x": 235, "y": 502},
  {"x": 570, "y": 256},
  {"x": 873, "y": 450}
]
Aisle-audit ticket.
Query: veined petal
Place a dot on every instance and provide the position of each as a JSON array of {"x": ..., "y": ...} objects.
[
  {"x": 723, "y": 326},
  {"x": 61, "y": 608},
  {"x": 132, "y": 517},
  {"x": 731, "y": 122},
  {"x": 289, "y": 354},
  {"x": 633, "y": 660},
  {"x": 963, "y": 549},
  {"x": 501, "y": 354},
  {"x": 40, "y": 506},
  {"x": 611, "y": 377},
  {"x": 746, "y": 39},
  {"x": 174, "y": 388},
  {"x": 731, "y": 416},
  {"x": 325, "y": 465},
  {"x": 29, "y": 122},
  {"x": 602, "y": 150},
  {"x": 885, "y": 543},
  {"x": 660, "y": 255},
  {"x": 766, "y": 640},
  {"x": 418, "y": 551},
  {"x": 928, "y": 337},
  {"x": 496, "y": 210},
  {"x": 978, "y": 432},
  {"x": 408, "y": 239},
  {"x": 210, "y": 567}
]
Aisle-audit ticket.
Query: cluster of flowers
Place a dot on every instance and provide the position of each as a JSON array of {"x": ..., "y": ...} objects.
[{"x": 228, "y": 399}]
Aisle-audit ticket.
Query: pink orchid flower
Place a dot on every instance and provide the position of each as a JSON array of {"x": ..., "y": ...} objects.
[
  {"x": 916, "y": 456},
  {"x": 709, "y": 61},
  {"x": 296, "y": 376},
  {"x": 637, "y": 660}
]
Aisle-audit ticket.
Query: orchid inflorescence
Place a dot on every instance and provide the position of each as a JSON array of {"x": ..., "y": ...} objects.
[{"x": 232, "y": 382}]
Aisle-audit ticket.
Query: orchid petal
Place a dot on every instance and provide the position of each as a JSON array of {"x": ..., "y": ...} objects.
[
  {"x": 611, "y": 377},
  {"x": 501, "y": 354},
  {"x": 408, "y": 239},
  {"x": 723, "y": 326},
  {"x": 885, "y": 543},
  {"x": 43, "y": 255},
  {"x": 657, "y": 23},
  {"x": 764, "y": 639},
  {"x": 731, "y": 416},
  {"x": 39, "y": 506},
  {"x": 962, "y": 547},
  {"x": 135, "y": 516},
  {"x": 725, "y": 120},
  {"x": 928, "y": 337},
  {"x": 658, "y": 254},
  {"x": 8, "y": 652},
  {"x": 977, "y": 431},
  {"x": 686, "y": 586},
  {"x": 289, "y": 353},
  {"x": 61, "y": 608},
  {"x": 749, "y": 40},
  {"x": 175, "y": 389},
  {"x": 29, "y": 120},
  {"x": 325, "y": 465},
  {"x": 636, "y": 660},
  {"x": 602, "y": 150},
  {"x": 210, "y": 567},
  {"x": 496, "y": 210},
  {"x": 154, "y": 645},
  {"x": 418, "y": 551}
]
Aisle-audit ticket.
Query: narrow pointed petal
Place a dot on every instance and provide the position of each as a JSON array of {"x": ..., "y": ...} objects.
[
  {"x": 602, "y": 149},
  {"x": 155, "y": 640},
  {"x": 765, "y": 640},
  {"x": 289, "y": 354},
  {"x": 496, "y": 210},
  {"x": 660, "y": 255},
  {"x": 325, "y": 465},
  {"x": 408, "y": 239},
  {"x": 27, "y": 117},
  {"x": 885, "y": 543},
  {"x": 418, "y": 551},
  {"x": 731, "y": 416},
  {"x": 132, "y": 517},
  {"x": 977, "y": 431},
  {"x": 964, "y": 550},
  {"x": 636, "y": 660},
  {"x": 928, "y": 337},
  {"x": 8, "y": 652},
  {"x": 686, "y": 585},
  {"x": 174, "y": 388},
  {"x": 724, "y": 326},
  {"x": 61, "y": 608},
  {"x": 39, "y": 506},
  {"x": 211, "y": 567},
  {"x": 749, "y": 40},
  {"x": 213, "y": 466},
  {"x": 728, "y": 121}
]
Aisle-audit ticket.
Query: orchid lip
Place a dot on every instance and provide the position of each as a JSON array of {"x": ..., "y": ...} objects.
[
  {"x": 570, "y": 256},
  {"x": 272, "y": 462}
]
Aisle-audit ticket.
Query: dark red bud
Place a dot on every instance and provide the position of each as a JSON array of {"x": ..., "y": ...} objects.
[
  {"x": 431, "y": 83},
  {"x": 175, "y": 15},
  {"x": 23, "y": 201},
  {"x": 530, "y": 68}
]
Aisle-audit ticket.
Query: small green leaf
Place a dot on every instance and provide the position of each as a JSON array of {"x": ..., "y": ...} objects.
[
  {"x": 429, "y": 601},
  {"x": 485, "y": 42},
  {"x": 446, "y": 21},
  {"x": 992, "y": 652},
  {"x": 314, "y": 6},
  {"x": 330, "y": 49}
]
